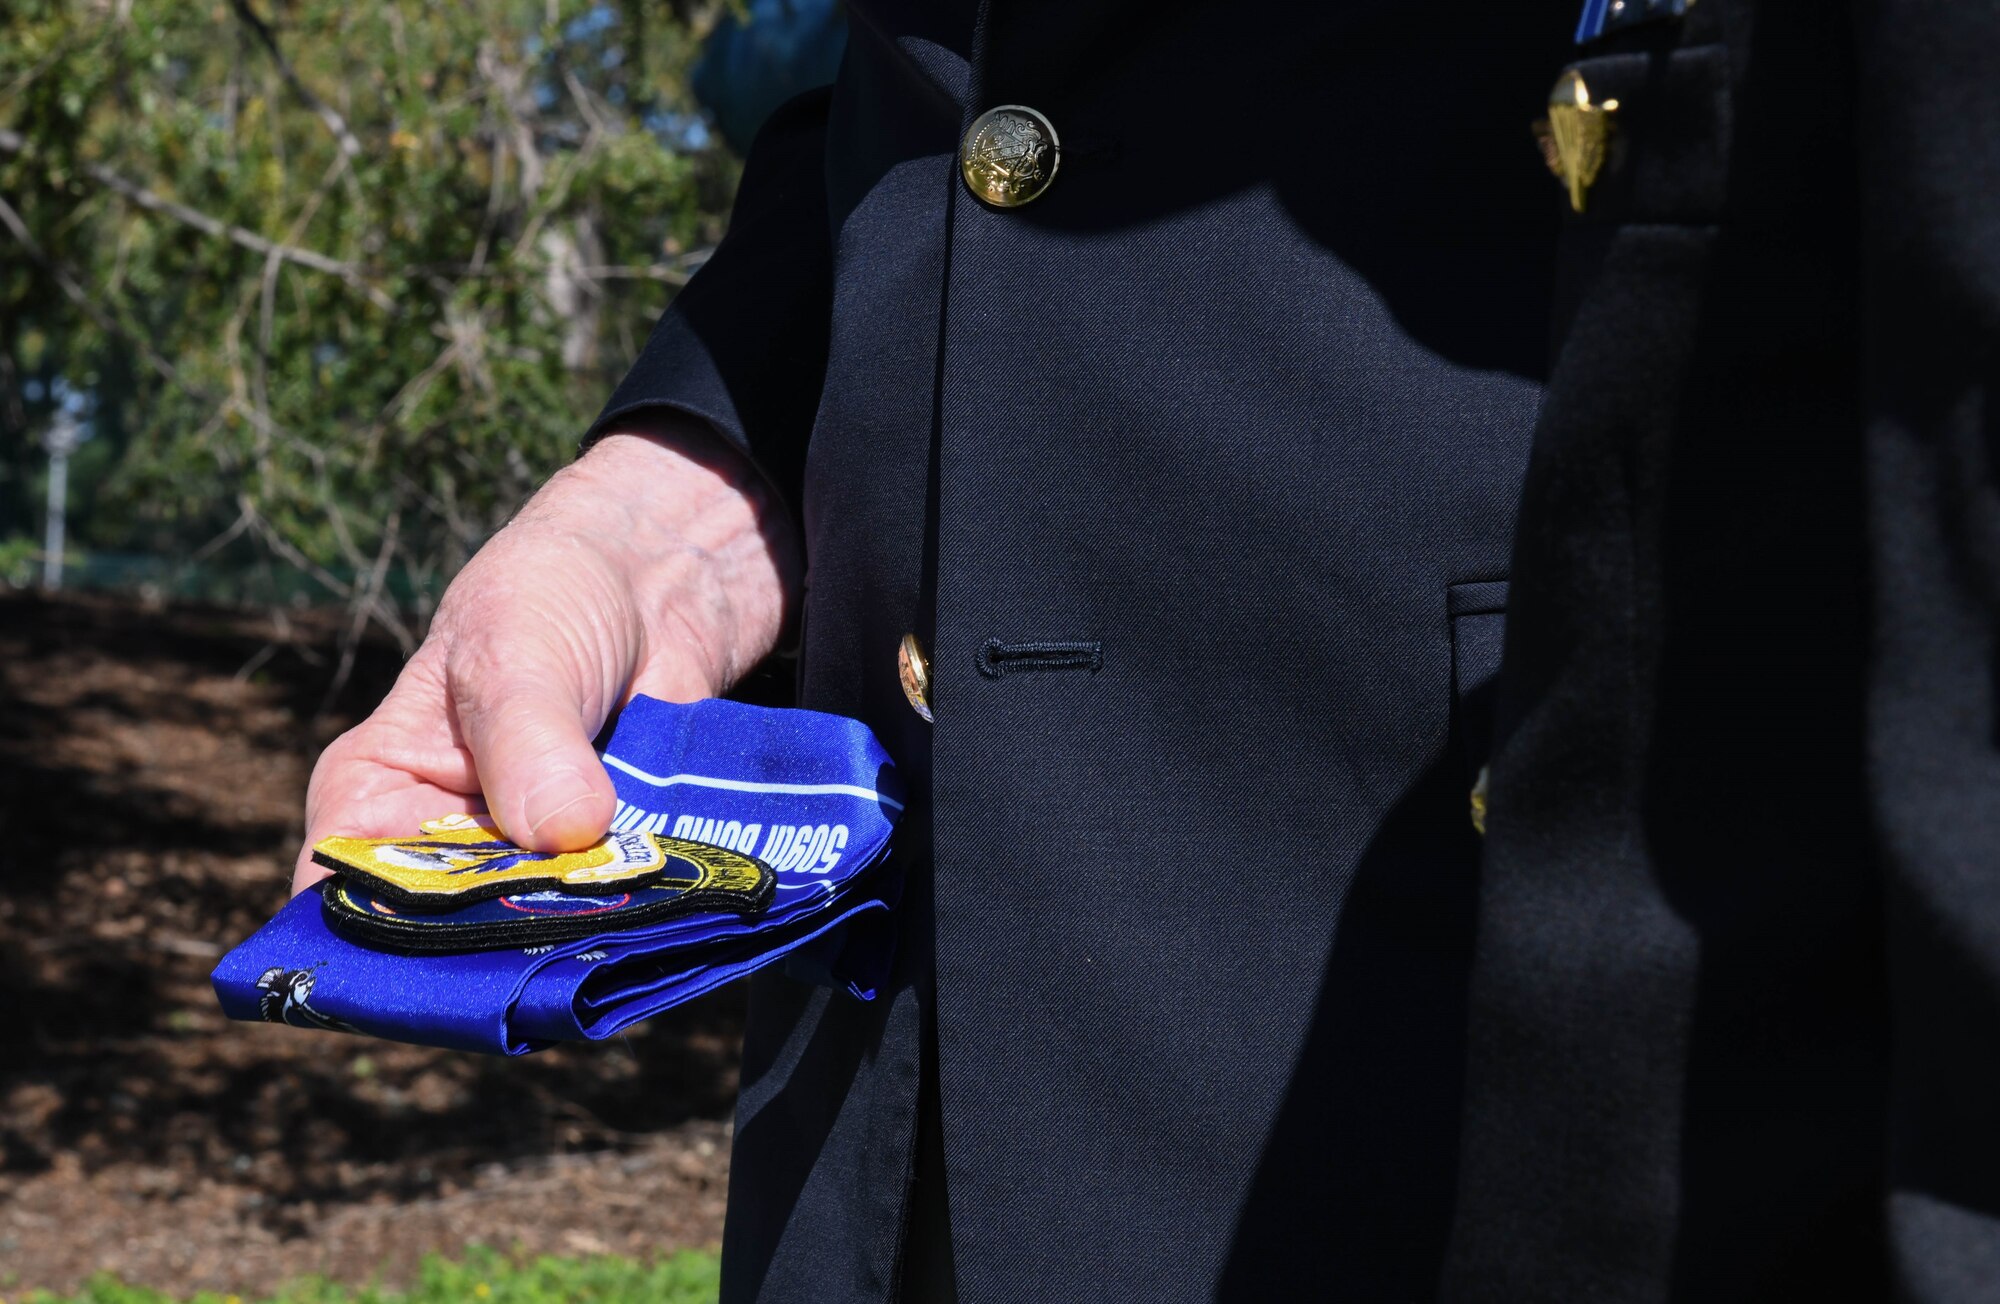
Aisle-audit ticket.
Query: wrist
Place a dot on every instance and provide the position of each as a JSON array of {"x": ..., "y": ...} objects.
[{"x": 708, "y": 550}]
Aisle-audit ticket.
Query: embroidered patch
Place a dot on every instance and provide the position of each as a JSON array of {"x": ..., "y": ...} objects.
[
  {"x": 458, "y": 823},
  {"x": 471, "y": 862},
  {"x": 702, "y": 879}
]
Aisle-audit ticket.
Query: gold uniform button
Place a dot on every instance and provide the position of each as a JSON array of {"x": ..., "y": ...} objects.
[
  {"x": 1009, "y": 156},
  {"x": 913, "y": 670}
]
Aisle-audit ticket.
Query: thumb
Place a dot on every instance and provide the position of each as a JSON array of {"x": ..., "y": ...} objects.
[{"x": 529, "y": 724}]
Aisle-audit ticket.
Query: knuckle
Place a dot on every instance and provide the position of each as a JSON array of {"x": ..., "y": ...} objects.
[
  {"x": 478, "y": 682},
  {"x": 519, "y": 688}
]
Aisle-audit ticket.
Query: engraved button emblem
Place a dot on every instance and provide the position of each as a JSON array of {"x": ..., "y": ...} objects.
[
  {"x": 913, "y": 670},
  {"x": 1009, "y": 156}
]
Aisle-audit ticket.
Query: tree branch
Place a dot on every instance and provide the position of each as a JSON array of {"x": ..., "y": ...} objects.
[
  {"x": 350, "y": 145},
  {"x": 110, "y": 325},
  {"x": 12, "y": 142},
  {"x": 367, "y": 601}
]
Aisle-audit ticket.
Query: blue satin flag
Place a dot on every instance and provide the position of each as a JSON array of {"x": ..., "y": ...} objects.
[{"x": 812, "y": 795}]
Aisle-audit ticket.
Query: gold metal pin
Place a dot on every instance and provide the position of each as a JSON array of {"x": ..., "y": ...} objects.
[
  {"x": 1576, "y": 135},
  {"x": 1478, "y": 803}
]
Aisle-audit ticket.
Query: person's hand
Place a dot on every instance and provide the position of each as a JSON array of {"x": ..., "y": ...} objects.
[{"x": 657, "y": 563}]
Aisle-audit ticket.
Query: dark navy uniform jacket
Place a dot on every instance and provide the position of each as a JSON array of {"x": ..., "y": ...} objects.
[
  {"x": 1242, "y": 401},
  {"x": 1736, "y": 1005},
  {"x": 1182, "y": 1007}
]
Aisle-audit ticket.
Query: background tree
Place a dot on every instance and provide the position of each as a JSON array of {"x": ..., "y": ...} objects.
[{"x": 338, "y": 281}]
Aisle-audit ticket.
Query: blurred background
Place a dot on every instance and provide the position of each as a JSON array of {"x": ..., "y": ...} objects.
[{"x": 298, "y": 300}]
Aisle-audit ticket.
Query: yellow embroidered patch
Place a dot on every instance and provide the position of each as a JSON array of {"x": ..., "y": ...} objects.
[
  {"x": 464, "y": 858},
  {"x": 458, "y": 823},
  {"x": 698, "y": 878}
]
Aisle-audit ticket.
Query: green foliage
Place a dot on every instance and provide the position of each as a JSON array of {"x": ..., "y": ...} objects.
[
  {"x": 689, "y": 1277},
  {"x": 347, "y": 277},
  {"x": 20, "y": 562}
]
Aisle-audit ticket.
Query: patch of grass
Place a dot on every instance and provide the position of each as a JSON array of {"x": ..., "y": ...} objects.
[{"x": 482, "y": 1277}]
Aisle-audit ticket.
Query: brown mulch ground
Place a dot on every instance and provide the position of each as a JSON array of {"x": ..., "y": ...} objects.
[{"x": 152, "y": 769}]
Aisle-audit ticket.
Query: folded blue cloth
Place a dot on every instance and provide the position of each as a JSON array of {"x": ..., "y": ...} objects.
[{"x": 812, "y": 795}]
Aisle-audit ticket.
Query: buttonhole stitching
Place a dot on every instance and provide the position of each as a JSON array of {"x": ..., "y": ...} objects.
[{"x": 997, "y": 658}]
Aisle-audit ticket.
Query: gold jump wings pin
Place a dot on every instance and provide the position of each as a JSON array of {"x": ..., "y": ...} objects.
[{"x": 1576, "y": 136}]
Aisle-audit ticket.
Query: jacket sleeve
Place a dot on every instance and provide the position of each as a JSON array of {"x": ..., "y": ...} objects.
[
  {"x": 1929, "y": 130},
  {"x": 743, "y": 345}
]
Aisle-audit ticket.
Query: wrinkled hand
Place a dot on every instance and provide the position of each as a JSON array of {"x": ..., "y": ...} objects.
[{"x": 657, "y": 563}]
